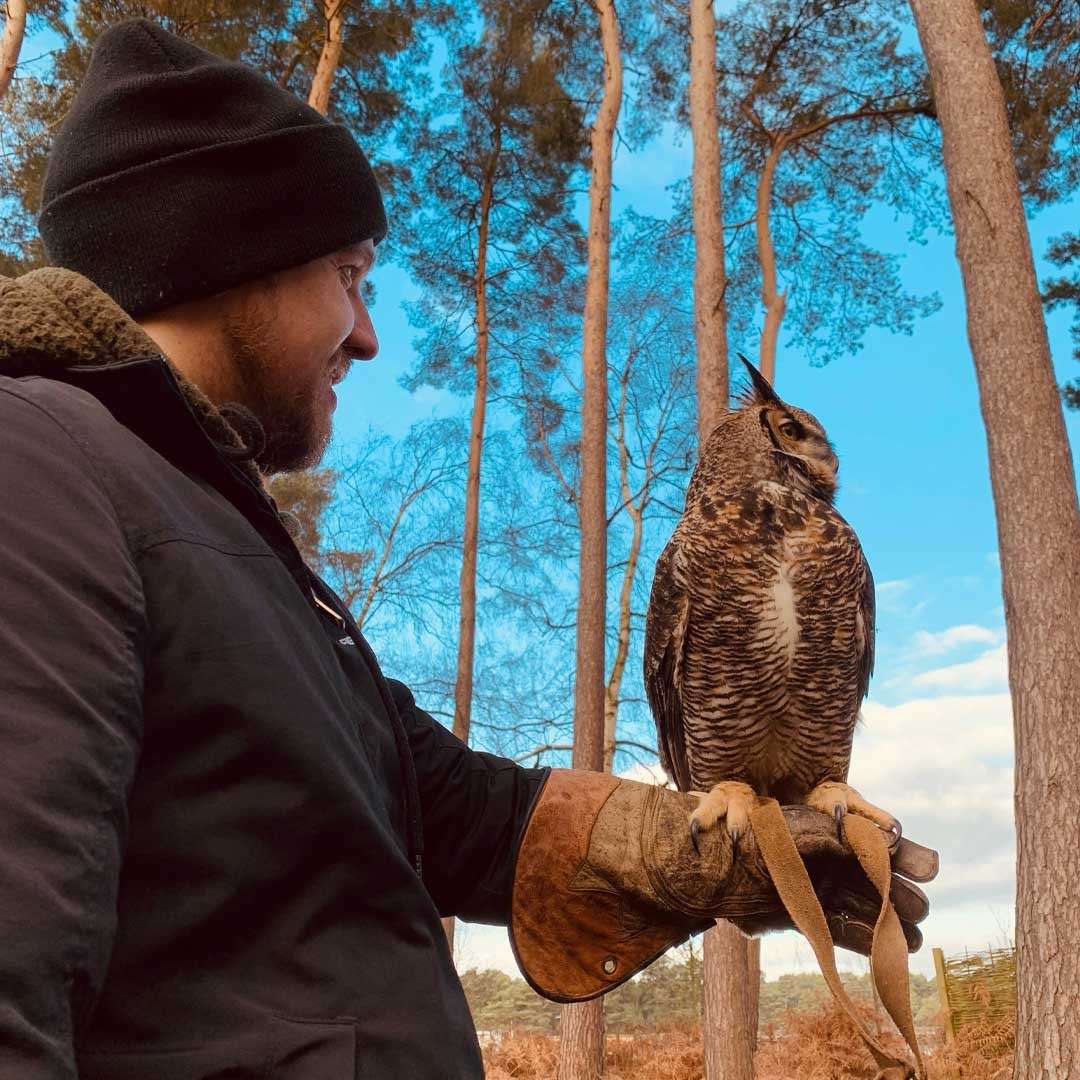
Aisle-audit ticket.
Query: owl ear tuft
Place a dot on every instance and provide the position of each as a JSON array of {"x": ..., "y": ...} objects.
[{"x": 759, "y": 392}]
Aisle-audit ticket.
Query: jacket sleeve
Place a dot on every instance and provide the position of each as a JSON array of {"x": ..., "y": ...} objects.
[
  {"x": 71, "y": 628},
  {"x": 475, "y": 807}
]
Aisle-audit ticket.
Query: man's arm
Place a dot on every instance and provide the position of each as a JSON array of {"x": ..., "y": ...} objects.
[
  {"x": 599, "y": 875},
  {"x": 71, "y": 633},
  {"x": 474, "y": 807}
]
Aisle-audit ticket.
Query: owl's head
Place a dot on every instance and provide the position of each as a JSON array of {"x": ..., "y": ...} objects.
[{"x": 798, "y": 441}]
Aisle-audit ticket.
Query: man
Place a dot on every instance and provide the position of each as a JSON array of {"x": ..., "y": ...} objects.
[{"x": 225, "y": 838}]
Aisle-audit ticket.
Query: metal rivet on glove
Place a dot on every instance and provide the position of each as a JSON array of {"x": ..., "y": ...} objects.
[{"x": 609, "y": 965}]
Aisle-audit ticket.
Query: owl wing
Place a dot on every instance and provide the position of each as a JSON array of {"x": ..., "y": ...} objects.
[
  {"x": 865, "y": 626},
  {"x": 665, "y": 636}
]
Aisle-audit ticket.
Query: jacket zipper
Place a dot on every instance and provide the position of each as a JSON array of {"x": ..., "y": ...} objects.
[
  {"x": 411, "y": 811},
  {"x": 327, "y": 609}
]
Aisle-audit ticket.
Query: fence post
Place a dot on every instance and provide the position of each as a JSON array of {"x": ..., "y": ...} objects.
[{"x": 943, "y": 994}]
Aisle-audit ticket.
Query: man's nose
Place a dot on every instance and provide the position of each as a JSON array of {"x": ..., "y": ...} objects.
[{"x": 362, "y": 344}]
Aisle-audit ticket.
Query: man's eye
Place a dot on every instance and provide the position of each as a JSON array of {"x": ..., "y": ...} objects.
[{"x": 350, "y": 275}]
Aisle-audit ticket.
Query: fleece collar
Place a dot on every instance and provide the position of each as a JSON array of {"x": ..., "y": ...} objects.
[{"x": 53, "y": 320}]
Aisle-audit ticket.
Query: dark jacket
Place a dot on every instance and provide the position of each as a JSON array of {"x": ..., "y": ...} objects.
[{"x": 225, "y": 838}]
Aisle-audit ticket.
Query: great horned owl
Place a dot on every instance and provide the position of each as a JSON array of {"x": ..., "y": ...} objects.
[{"x": 759, "y": 639}]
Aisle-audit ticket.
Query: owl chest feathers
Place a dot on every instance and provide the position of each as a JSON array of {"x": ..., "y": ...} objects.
[
  {"x": 784, "y": 615},
  {"x": 771, "y": 651}
]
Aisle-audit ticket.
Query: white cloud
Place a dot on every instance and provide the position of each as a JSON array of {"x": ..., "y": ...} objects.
[
  {"x": 892, "y": 588},
  {"x": 894, "y": 597},
  {"x": 989, "y": 671},
  {"x": 944, "y": 767},
  {"x": 646, "y": 774},
  {"x": 937, "y": 643}
]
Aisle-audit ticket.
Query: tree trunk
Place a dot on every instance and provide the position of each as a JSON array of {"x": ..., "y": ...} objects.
[
  {"x": 463, "y": 684},
  {"x": 463, "y": 679},
  {"x": 581, "y": 1049},
  {"x": 753, "y": 975},
  {"x": 581, "y": 1041},
  {"x": 592, "y": 505},
  {"x": 726, "y": 1021},
  {"x": 710, "y": 281},
  {"x": 727, "y": 1024},
  {"x": 1038, "y": 526},
  {"x": 319, "y": 98},
  {"x": 729, "y": 1020},
  {"x": 775, "y": 302},
  {"x": 14, "y": 30}
]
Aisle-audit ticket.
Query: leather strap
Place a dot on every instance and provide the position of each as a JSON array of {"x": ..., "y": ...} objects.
[{"x": 888, "y": 953}]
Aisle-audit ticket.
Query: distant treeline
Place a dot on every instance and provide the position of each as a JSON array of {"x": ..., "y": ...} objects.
[{"x": 669, "y": 992}]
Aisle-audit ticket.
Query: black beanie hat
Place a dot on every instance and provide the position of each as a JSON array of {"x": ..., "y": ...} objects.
[{"x": 177, "y": 174}]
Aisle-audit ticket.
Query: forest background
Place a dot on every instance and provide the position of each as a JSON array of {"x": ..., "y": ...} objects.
[{"x": 448, "y": 98}]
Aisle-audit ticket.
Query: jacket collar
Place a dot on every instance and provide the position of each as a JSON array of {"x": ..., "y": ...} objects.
[{"x": 59, "y": 325}]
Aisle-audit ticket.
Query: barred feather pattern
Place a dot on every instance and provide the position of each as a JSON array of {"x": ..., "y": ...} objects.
[{"x": 759, "y": 634}]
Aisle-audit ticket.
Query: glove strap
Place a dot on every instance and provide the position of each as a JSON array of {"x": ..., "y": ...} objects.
[{"x": 888, "y": 952}]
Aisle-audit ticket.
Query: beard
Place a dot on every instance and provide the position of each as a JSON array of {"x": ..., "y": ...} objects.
[{"x": 288, "y": 400}]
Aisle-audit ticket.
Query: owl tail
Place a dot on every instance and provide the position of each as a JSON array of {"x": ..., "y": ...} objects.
[{"x": 888, "y": 954}]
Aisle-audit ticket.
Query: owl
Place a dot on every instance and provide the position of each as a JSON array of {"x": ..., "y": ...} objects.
[{"x": 759, "y": 637}]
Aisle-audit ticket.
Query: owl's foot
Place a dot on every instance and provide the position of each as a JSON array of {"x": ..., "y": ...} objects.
[
  {"x": 731, "y": 800},
  {"x": 840, "y": 799}
]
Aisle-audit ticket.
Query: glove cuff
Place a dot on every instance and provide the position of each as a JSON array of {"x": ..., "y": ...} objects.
[{"x": 584, "y": 913}]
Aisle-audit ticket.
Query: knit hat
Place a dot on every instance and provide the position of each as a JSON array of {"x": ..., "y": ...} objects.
[{"x": 177, "y": 174}]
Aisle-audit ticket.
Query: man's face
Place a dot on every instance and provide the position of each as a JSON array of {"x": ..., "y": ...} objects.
[{"x": 290, "y": 337}]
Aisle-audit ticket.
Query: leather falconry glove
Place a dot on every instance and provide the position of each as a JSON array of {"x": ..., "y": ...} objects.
[{"x": 607, "y": 879}]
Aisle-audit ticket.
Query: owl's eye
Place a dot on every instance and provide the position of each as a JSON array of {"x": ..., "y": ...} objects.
[{"x": 789, "y": 429}]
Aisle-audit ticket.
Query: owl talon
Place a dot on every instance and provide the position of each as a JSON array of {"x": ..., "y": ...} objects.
[
  {"x": 839, "y": 799},
  {"x": 730, "y": 801}
]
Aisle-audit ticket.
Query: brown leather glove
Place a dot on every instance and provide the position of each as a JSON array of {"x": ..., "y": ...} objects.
[{"x": 607, "y": 879}]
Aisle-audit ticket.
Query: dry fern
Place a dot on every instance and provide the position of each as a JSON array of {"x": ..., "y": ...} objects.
[
  {"x": 523, "y": 1057},
  {"x": 982, "y": 1050},
  {"x": 670, "y": 1054},
  {"x": 821, "y": 1045}
]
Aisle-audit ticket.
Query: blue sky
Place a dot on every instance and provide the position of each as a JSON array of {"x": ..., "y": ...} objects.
[{"x": 903, "y": 414}]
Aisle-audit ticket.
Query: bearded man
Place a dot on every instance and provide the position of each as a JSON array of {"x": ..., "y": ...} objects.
[{"x": 226, "y": 840}]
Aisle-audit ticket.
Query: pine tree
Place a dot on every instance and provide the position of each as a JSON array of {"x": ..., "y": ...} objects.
[
  {"x": 1038, "y": 521},
  {"x": 581, "y": 1051}
]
